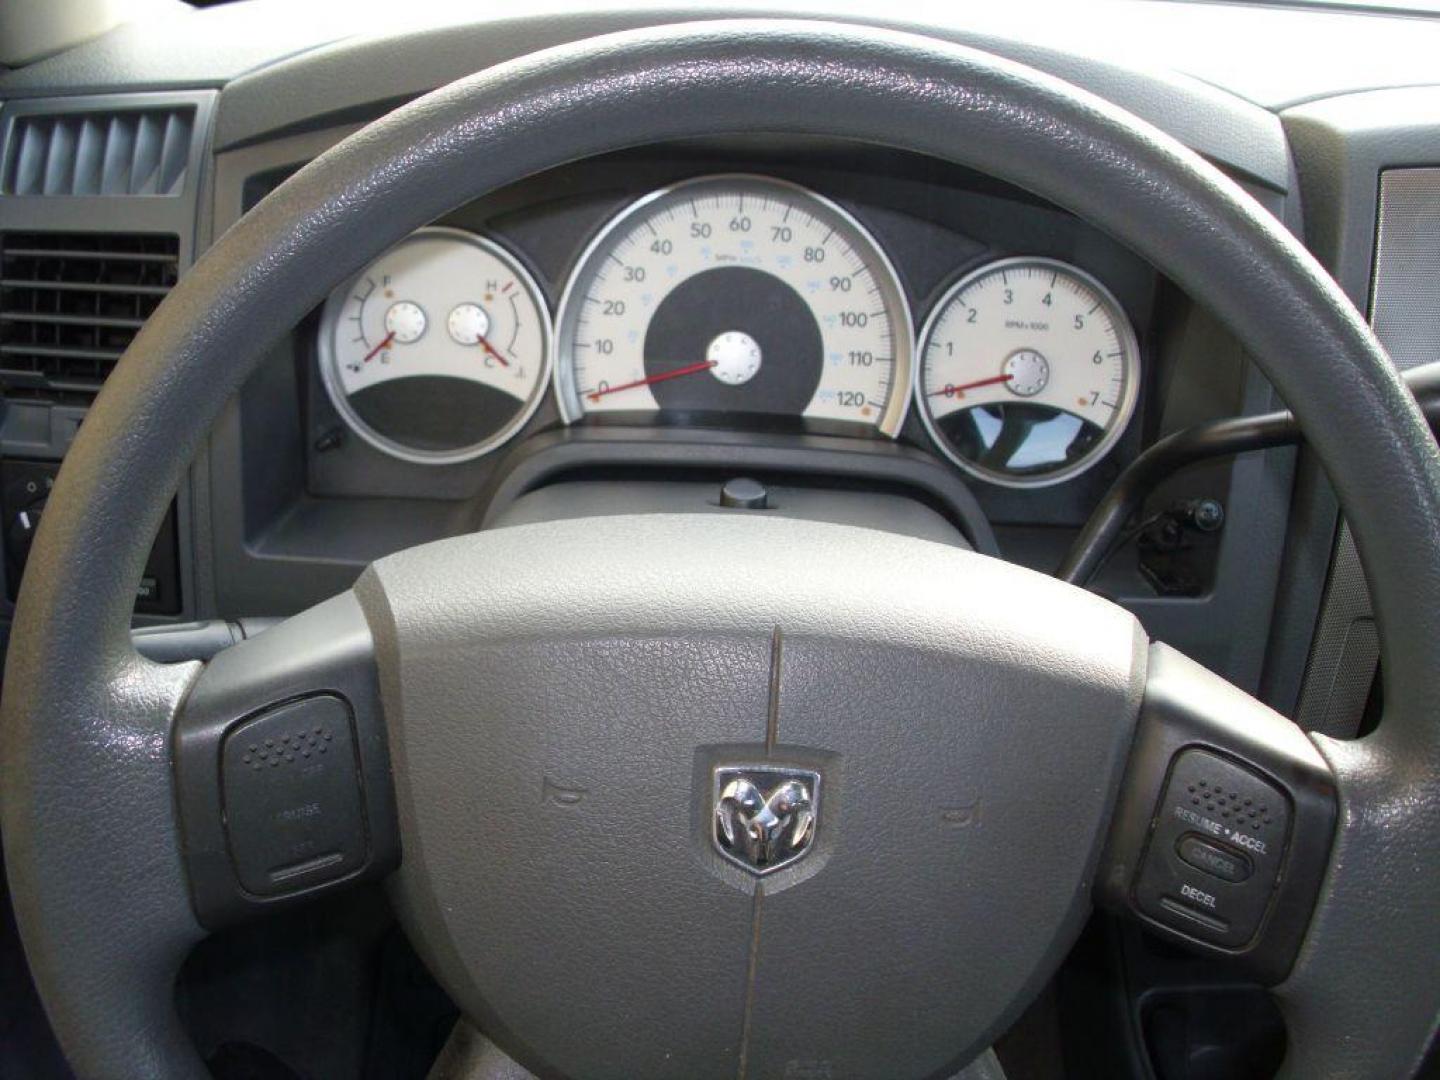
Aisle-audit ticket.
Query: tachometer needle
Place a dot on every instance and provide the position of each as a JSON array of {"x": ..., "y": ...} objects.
[
  {"x": 688, "y": 369},
  {"x": 959, "y": 391},
  {"x": 480, "y": 340},
  {"x": 384, "y": 344}
]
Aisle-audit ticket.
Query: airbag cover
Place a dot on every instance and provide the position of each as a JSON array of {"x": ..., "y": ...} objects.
[{"x": 559, "y": 695}]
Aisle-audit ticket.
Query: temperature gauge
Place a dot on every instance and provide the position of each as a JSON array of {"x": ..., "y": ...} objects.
[{"x": 438, "y": 351}]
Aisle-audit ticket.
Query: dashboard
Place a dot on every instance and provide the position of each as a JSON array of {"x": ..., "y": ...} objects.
[
  {"x": 874, "y": 337},
  {"x": 807, "y": 327},
  {"x": 732, "y": 293}
]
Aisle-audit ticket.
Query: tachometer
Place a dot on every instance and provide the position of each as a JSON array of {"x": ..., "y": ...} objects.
[
  {"x": 438, "y": 351},
  {"x": 730, "y": 295},
  {"x": 1029, "y": 372}
]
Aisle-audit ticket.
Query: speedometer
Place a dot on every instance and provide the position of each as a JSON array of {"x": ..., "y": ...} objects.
[
  {"x": 733, "y": 295},
  {"x": 1029, "y": 372}
]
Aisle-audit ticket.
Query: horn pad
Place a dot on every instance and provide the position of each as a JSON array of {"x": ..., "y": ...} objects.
[{"x": 565, "y": 699}]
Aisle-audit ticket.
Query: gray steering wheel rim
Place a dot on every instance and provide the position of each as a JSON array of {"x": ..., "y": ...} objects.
[{"x": 84, "y": 730}]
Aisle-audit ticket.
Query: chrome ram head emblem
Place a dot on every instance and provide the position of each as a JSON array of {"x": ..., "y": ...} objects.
[{"x": 765, "y": 815}]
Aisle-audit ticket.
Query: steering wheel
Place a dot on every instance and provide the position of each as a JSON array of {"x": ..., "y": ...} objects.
[{"x": 543, "y": 714}]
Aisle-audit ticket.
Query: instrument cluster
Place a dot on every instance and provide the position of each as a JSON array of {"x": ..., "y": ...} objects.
[{"x": 731, "y": 300}]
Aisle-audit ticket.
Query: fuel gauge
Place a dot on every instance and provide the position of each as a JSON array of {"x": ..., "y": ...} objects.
[{"x": 438, "y": 351}]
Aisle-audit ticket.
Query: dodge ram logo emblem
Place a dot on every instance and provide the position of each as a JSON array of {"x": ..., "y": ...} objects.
[{"x": 765, "y": 815}]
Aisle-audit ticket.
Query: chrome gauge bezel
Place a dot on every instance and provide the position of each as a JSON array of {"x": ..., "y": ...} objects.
[
  {"x": 329, "y": 376},
  {"x": 567, "y": 313},
  {"x": 1129, "y": 397}
]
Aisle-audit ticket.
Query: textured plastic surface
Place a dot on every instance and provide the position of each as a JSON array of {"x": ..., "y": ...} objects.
[
  {"x": 1406, "y": 318},
  {"x": 589, "y": 499},
  {"x": 1094, "y": 48},
  {"x": 558, "y": 695},
  {"x": 1403, "y": 307},
  {"x": 545, "y": 457},
  {"x": 469, "y": 1055},
  {"x": 1224, "y": 47}
]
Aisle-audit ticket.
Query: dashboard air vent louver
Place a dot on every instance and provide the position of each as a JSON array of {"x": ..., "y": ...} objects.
[
  {"x": 114, "y": 152},
  {"x": 70, "y": 304}
]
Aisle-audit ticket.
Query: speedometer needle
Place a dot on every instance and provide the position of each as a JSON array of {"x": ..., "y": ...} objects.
[
  {"x": 688, "y": 369},
  {"x": 959, "y": 391},
  {"x": 384, "y": 344}
]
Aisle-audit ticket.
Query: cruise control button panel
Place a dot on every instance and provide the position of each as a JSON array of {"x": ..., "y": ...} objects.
[
  {"x": 282, "y": 770},
  {"x": 294, "y": 810},
  {"x": 1216, "y": 849}
]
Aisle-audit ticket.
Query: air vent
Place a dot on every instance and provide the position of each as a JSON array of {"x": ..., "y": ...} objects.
[
  {"x": 71, "y": 303},
  {"x": 115, "y": 152}
]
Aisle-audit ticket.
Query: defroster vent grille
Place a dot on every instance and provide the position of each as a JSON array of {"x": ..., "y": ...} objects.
[
  {"x": 70, "y": 304},
  {"x": 112, "y": 152}
]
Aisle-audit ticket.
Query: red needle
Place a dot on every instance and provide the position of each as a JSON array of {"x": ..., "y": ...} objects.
[
  {"x": 480, "y": 338},
  {"x": 384, "y": 344},
  {"x": 688, "y": 369},
  {"x": 959, "y": 391}
]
